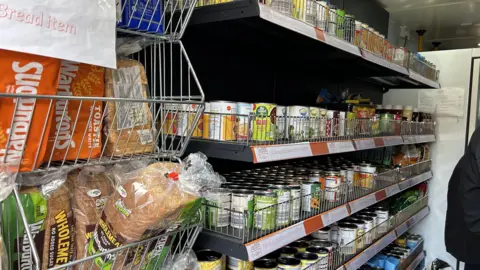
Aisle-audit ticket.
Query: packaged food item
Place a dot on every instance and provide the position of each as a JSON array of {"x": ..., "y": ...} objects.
[
  {"x": 222, "y": 121},
  {"x": 264, "y": 124},
  {"x": 147, "y": 202},
  {"x": 209, "y": 260},
  {"x": 50, "y": 218},
  {"x": 76, "y": 130},
  {"x": 128, "y": 129},
  {"x": 91, "y": 189},
  {"x": 206, "y": 119},
  {"x": 281, "y": 122},
  {"x": 144, "y": 15},
  {"x": 243, "y": 126},
  {"x": 26, "y": 74},
  {"x": 299, "y": 122}
]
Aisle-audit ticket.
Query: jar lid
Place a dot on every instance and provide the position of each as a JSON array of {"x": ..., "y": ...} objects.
[
  {"x": 398, "y": 107},
  {"x": 408, "y": 108},
  {"x": 388, "y": 107}
]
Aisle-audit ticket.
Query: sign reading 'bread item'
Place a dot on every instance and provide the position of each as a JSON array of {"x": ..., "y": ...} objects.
[
  {"x": 81, "y": 31},
  {"x": 24, "y": 120}
]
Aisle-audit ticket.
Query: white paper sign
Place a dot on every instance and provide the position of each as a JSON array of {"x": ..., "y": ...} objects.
[
  {"x": 444, "y": 102},
  {"x": 81, "y": 31}
]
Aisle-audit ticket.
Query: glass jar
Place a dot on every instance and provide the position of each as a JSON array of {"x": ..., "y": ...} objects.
[
  {"x": 407, "y": 113},
  {"x": 397, "y": 112}
]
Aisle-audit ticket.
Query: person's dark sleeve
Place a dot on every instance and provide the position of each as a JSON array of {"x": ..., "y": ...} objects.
[{"x": 471, "y": 182}]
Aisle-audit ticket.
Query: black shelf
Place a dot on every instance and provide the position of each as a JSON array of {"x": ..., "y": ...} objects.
[{"x": 245, "y": 33}]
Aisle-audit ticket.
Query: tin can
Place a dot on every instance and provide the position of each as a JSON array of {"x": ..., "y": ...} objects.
[
  {"x": 368, "y": 238},
  {"x": 349, "y": 28},
  {"x": 343, "y": 174},
  {"x": 310, "y": 195},
  {"x": 265, "y": 210},
  {"x": 264, "y": 128},
  {"x": 176, "y": 119},
  {"x": 346, "y": 237},
  {"x": 198, "y": 129},
  {"x": 371, "y": 39},
  {"x": 315, "y": 117},
  {"x": 218, "y": 207},
  {"x": 322, "y": 15},
  {"x": 350, "y": 124},
  {"x": 349, "y": 175},
  {"x": 328, "y": 245},
  {"x": 341, "y": 123},
  {"x": 372, "y": 215},
  {"x": 265, "y": 264},
  {"x": 332, "y": 183},
  {"x": 237, "y": 264},
  {"x": 298, "y": 122},
  {"x": 209, "y": 260},
  {"x": 358, "y": 33},
  {"x": 300, "y": 245},
  {"x": 307, "y": 259},
  {"x": 332, "y": 20},
  {"x": 322, "y": 254},
  {"x": 314, "y": 175},
  {"x": 365, "y": 32},
  {"x": 298, "y": 9},
  {"x": 283, "y": 201},
  {"x": 367, "y": 174},
  {"x": 356, "y": 175},
  {"x": 295, "y": 201},
  {"x": 242, "y": 129},
  {"x": 287, "y": 263},
  {"x": 281, "y": 122},
  {"x": 323, "y": 122},
  {"x": 361, "y": 227},
  {"x": 288, "y": 251},
  {"x": 386, "y": 123},
  {"x": 322, "y": 234},
  {"x": 222, "y": 123},
  {"x": 382, "y": 220},
  {"x": 242, "y": 209},
  {"x": 340, "y": 23}
]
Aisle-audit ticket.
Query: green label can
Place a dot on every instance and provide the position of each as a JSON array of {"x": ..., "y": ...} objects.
[
  {"x": 283, "y": 200},
  {"x": 218, "y": 207},
  {"x": 310, "y": 195},
  {"x": 242, "y": 209},
  {"x": 264, "y": 124},
  {"x": 295, "y": 201},
  {"x": 265, "y": 209}
]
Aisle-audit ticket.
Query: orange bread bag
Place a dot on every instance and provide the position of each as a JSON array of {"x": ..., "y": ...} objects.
[
  {"x": 23, "y": 73},
  {"x": 65, "y": 140}
]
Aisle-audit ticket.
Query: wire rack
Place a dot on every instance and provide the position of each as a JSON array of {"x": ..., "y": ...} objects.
[
  {"x": 225, "y": 214},
  {"x": 151, "y": 253},
  {"x": 426, "y": 70},
  {"x": 346, "y": 251},
  {"x": 272, "y": 129},
  {"x": 131, "y": 125},
  {"x": 163, "y": 20}
]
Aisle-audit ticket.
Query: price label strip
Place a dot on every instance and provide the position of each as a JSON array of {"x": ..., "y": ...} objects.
[
  {"x": 334, "y": 215},
  {"x": 362, "y": 203},
  {"x": 405, "y": 184},
  {"x": 392, "y": 190},
  {"x": 365, "y": 144},
  {"x": 391, "y": 141},
  {"x": 281, "y": 152},
  {"x": 340, "y": 147}
]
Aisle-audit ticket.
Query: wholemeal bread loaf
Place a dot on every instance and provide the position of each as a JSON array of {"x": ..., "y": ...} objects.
[
  {"x": 139, "y": 208},
  {"x": 91, "y": 191},
  {"x": 128, "y": 125}
]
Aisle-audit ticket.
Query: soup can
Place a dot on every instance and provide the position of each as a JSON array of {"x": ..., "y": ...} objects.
[
  {"x": 209, "y": 260},
  {"x": 265, "y": 264},
  {"x": 323, "y": 255},
  {"x": 300, "y": 245},
  {"x": 323, "y": 122},
  {"x": 307, "y": 259},
  {"x": 288, "y": 263},
  {"x": 221, "y": 121},
  {"x": 298, "y": 122},
  {"x": 295, "y": 201},
  {"x": 367, "y": 174},
  {"x": 322, "y": 234},
  {"x": 283, "y": 203},
  {"x": 218, "y": 207},
  {"x": 243, "y": 124},
  {"x": 281, "y": 122},
  {"x": 242, "y": 209},
  {"x": 315, "y": 118},
  {"x": 265, "y": 210},
  {"x": 368, "y": 238},
  {"x": 237, "y": 264},
  {"x": 346, "y": 236},
  {"x": 382, "y": 220},
  {"x": 192, "y": 113},
  {"x": 288, "y": 251},
  {"x": 310, "y": 195},
  {"x": 264, "y": 124}
]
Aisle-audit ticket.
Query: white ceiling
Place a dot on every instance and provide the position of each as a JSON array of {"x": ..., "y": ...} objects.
[{"x": 455, "y": 23}]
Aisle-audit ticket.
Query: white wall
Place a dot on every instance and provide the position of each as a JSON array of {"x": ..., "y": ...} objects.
[
  {"x": 394, "y": 37},
  {"x": 454, "y": 69}
]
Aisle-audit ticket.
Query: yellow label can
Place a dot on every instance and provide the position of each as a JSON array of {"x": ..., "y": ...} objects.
[{"x": 264, "y": 128}]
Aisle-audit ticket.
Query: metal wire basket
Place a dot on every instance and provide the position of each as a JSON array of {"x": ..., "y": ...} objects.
[{"x": 164, "y": 20}]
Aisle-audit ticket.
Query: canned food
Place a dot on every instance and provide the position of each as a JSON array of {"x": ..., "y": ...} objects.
[
  {"x": 332, "y": 183},
  {"x": 349, "y": 28},
  {"x": 295, "y": 201},
  {"x": 206, "y": 121},
  {"x": 283, "y": 201},
  {"x": 298, "y": 123},
  {"x": 310, "y": 195},
  {"x": 367, "y": 174},
  {"x": 306, "y": 259},
  {"x": 288, "y": 251},
  {"x": 322, "y": 15},
  {"x": 265, "y": 264},
  {"x": 265, "y": 212},
  {"x": 322, "y": 234},
  {"x": 243, "y": 124},
  {"x": 332, "y": 20},
  {"x": 264, "y": 128},
  {"x": 281, "y": 124},
  {"x": 360, "y": 232},
  {"x": 222, "y": 123},
  {"x": 346, "y": 236},
  {"x": 368, "y": 229},
  {"x": 382, "y": 219},
  {"x": 176, "y": 119},
  {"x": 237, "y": 264},
  {"x": 242, "y": 209},
  {"x": 323, "y": 255},
  {"x": 218, "y": 207},
  {"x": 209, "y": 260},
  {"x": 340, "y": 21},
  {"x": 300, "y": 245},
  {"x": 315, "y": 117},
  {"x": 287, "y": 263}
]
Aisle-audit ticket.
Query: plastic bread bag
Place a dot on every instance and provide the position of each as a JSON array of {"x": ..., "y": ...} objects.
[
  {"x": 91, "y": 189},
  {"x": 50, "y": 218},
  {"x": 183, "y": 261},
  {"x": 150, "y": 200},
  {"x": 3, "y": 254},
  {"x": 8, "y": 175}
]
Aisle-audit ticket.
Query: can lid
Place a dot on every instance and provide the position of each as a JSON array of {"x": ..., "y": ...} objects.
[
  {"x": 208, "y": 256},
  {"x": 344, "y": 225},
  {"x": 263, "y": 192},
  {"x": 242, "y": 191},
  {"x": 306, "y": 256},
  {"x": 318, "y": 250},
  {"x": 288, "y": 261},
  {"x": 288, "y": 250},
  {"x": 265, "y": 263},
  {"x": 300, "y": 244}
]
